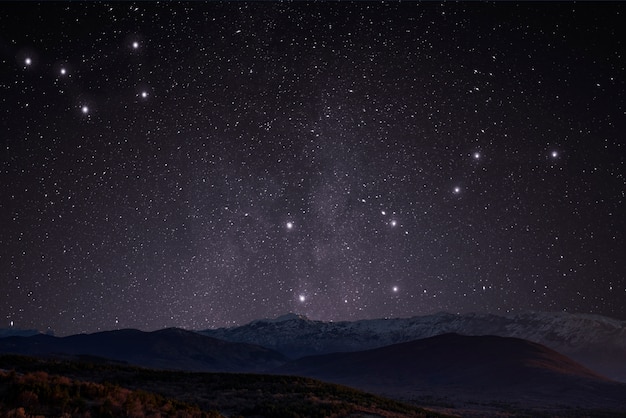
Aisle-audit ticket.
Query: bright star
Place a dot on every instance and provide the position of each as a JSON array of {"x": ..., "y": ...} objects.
[
  {"x": 135, "y": 45},
  {"x": 395, "y": 289},
  {"x": 302, "y": 298},
  {"x": 289, "y": 225},
  {"x": 554, "y": 154},
  {"x": 393, "y": 223},
  {"x": 63, "y": 71},
  {"x": 28, "y": 61},
  {"x": 456, "y": 190},
  {"x": 476, "y": 155},
  {"x": 144, "y": 94},
  {"x": 85, "y": 110}
]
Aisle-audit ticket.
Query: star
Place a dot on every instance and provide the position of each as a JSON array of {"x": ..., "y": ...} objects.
[{"x": 172, "y": 198}]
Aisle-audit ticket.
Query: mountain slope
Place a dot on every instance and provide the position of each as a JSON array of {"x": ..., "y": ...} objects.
[
  {"x": 166, "y": 349},
  {"x": 78, "y": 388},
  {"x": 595, "y": 341},
  {"x": 479, "y": 368}
]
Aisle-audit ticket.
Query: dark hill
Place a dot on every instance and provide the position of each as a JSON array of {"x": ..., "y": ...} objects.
[
  {"x": 487, "y": 367},
  {"x": 170, "y": 348},
  {"x": 53, "y": 388}
]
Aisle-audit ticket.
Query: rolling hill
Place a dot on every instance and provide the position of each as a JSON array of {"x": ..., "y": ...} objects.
[
  {"x": 485, "y": 368},
  {"x": 82, "y": 389}
]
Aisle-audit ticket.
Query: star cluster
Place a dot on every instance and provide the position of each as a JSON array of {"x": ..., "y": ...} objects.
[{"x": 206, "y": 164}]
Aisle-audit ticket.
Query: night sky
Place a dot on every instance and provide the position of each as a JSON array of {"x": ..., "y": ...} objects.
[{"x": 202, "y": 165}]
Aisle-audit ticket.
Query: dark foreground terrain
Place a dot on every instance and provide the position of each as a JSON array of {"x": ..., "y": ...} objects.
[
  {"x": 114, "y": 373},
  {"x": 97, "y": 388},
  {"x": 53, "y": 388}
]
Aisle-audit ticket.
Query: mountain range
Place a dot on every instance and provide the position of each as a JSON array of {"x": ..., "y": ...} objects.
[
  {"x": 170, "y": 348},
  {"x": 595, "y": 341},
  {"x": 417, "y": 359}
]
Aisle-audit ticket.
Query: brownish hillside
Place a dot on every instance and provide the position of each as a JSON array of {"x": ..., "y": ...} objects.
[{"x": 54, "y": 388}]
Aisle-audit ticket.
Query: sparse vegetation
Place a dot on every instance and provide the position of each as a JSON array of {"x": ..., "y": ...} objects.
[
  {"x": 30, "y": 386},
  {"x": 41, "y": 394}
]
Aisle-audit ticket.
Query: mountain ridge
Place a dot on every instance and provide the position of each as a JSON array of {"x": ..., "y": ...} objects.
[
  {"x": 170, "y": 348},
  {"x": 596, "y": 341}
]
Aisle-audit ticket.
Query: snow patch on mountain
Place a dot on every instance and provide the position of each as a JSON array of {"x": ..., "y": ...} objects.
[{"x": 283, "y": 318}]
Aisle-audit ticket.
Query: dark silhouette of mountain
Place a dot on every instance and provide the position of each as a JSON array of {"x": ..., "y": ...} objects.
[
  {"x": 170, "y": 348},
  {"x": 478, "y": 368},
  {"x": 595, "y": 341},
  {"x": 17, "y": 332}
]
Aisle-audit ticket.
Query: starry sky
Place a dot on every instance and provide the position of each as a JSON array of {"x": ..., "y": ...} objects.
[{"x": 206, "y": 164}]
